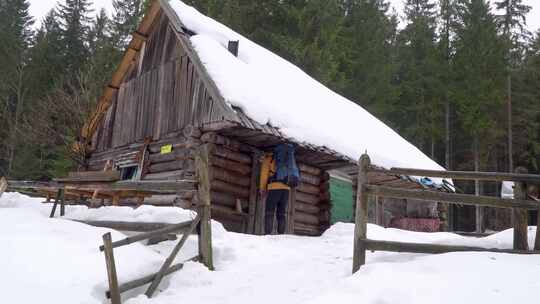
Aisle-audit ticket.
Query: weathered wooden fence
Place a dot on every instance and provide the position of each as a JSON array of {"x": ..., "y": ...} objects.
[
  {"x": 89, "y": 183},
  {"x": 201, "y": 223},
  {"x": 519, "y": 205}
]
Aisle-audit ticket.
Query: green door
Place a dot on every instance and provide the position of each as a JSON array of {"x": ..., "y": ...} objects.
[{"x": 342, "y": 200}]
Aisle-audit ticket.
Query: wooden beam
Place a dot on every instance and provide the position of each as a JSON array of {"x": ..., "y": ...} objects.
[
  {"x": 168, "y": 262},
  {"x": 520, "y": 215},
  {"x": 375, "y": 245},
  {"x": 148, "y": 186},
  {"x": 134, "y": 226},
  {"x": 361, "y": 214},
  {"x": 453, "y": 198},
  {"x": 114, "y": 292},
  {"x": 146, "y": 279},
  {"x": 253, "y": 191},
  {"x": 139, "y": 36},
  {"x": 143, "y": 236},
  {"x": 91, "y": 176},
  {"x": 204, "y": 176},
  {"x": 465, "y": 175}
]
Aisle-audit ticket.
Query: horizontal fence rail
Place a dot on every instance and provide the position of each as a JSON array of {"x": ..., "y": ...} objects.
[
  {"x": 364, "y": 189},
  {"x": 452, "y": 198},
  {"x": 151, "y": 234},
  {"x": 156, "y": 187},
  {"x": 463, "y": 175},
  {"x": 376, "y": 245}
]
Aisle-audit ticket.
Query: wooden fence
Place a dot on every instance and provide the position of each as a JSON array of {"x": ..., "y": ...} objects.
[
  {"x": 519, "y": 205},
  {"x": 201, "y": 223},
  {"x": 90, "y": 183}
]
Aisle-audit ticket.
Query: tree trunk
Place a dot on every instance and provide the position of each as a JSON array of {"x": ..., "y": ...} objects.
[
  {"x": 477, "y": 190},
  {"x": 510, "y": 135},
  {"x": 19, "y": 95}
]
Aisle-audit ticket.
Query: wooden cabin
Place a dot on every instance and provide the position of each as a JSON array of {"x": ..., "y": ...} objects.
[{"x": 162, "y": 104}]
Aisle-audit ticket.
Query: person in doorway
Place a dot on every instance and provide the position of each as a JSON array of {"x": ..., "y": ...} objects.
[{"x": 278, "y": 173}]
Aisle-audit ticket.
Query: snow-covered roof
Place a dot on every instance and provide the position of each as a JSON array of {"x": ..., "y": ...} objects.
[{"x": 271, "y": 90}]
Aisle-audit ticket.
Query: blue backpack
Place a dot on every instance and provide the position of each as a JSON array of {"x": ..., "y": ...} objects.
[{"x": 287, "y": 171}]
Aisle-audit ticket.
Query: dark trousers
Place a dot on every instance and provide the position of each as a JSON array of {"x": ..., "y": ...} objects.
[{"x": 276, "y": 206}]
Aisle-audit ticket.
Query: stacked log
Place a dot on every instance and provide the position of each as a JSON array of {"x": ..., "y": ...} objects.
[
  {"x": 175, "y": 165},
  {"x": 312, "y": 205},
  {"x": 230, "y": 181}
]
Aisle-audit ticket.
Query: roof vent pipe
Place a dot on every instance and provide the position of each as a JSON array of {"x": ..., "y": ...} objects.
[{"x": 233, "y": 47}]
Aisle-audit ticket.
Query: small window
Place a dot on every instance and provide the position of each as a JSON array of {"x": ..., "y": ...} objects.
[{"x": 129, "y": 173}]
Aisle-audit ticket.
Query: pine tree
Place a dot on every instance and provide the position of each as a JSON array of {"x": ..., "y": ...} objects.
[
  {"x": 317, "y": 48},
  {"x": 447, "y": 14},
  {"x": 366, "y": 57},
  {"x": 104, "y": 54},
  {"x": 420, "y": 87},
  {"x": 479, "y": 75},
  {"x": 526, "y": 94},
  {"x": 15, "y": 34},
  {"x": 513, "y": 24},
  {"x": 75, "y": 25}
]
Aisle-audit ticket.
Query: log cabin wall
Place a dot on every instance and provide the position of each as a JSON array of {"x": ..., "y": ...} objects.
[
  {"x": 160, "y": 95},
  {"x": 312, "y": 203},
  {"x": 235, "y": 173}
]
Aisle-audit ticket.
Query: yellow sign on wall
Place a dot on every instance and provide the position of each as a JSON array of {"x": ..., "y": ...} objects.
[{"x": 166, "y": 149}]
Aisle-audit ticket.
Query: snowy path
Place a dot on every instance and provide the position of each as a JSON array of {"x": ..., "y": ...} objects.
[{"x": 53, "y": 260}]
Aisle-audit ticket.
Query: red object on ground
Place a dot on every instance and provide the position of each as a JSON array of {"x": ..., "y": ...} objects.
[{"x": 416, "y": 224}]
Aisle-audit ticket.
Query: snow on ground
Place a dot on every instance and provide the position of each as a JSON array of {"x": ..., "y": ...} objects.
[
  {"x": 56, "y": 260},
  {"x": 271, "y": 90}
]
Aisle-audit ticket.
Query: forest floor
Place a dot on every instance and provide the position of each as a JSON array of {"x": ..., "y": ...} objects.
[{"x": 57, "y": 261}]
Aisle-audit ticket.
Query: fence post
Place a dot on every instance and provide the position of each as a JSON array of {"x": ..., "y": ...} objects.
[
  {"x": 519, "y": 215},
  {"x": 63, "y": 202},
  {"x": 3, "y": 185},
  {"x": 361, "y": 215},
  {"x": 111, "y": 269},
  {"x": 202, "y": 163},
  {"x": 59, "y": 197}
]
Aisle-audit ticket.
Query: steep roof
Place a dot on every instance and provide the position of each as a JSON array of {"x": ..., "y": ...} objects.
[
  {"x": 264, "y": 92},
  {"x": 272, "y": 91}
]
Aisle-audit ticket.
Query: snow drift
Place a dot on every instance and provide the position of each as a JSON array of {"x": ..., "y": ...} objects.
[{"x": 57, "y": 261}]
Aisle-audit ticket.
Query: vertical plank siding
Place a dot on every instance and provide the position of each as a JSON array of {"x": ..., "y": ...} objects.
[{"x": 161, "y": 95}]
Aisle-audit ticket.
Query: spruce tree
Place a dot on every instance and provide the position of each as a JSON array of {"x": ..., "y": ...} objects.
[
  {"x": 75, "y": 25},
  {"x": 317, "y": 49},
  {"x": 513, "y": 25},
  {"x": 526, "y": 112},
  {"x": 420, "y": 87},
  {"x": 447, "y": 15},
  {"x": 479, "y": 75},
  {"x": 15, "y": 34},
  {"x": 104, "y": 54},
  {"x": 366, "y": 57}
]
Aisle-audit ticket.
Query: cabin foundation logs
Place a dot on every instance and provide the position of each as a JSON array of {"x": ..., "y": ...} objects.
[{"x": 231, "y": 181}]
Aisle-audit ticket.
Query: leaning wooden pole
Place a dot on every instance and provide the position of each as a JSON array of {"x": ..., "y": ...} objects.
[
  {"x": 361, "y": 215},
  {"x": 520, "y": 215},
  {"x": 202, "y": 163},
  {"x": 111, "y": 269}
]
